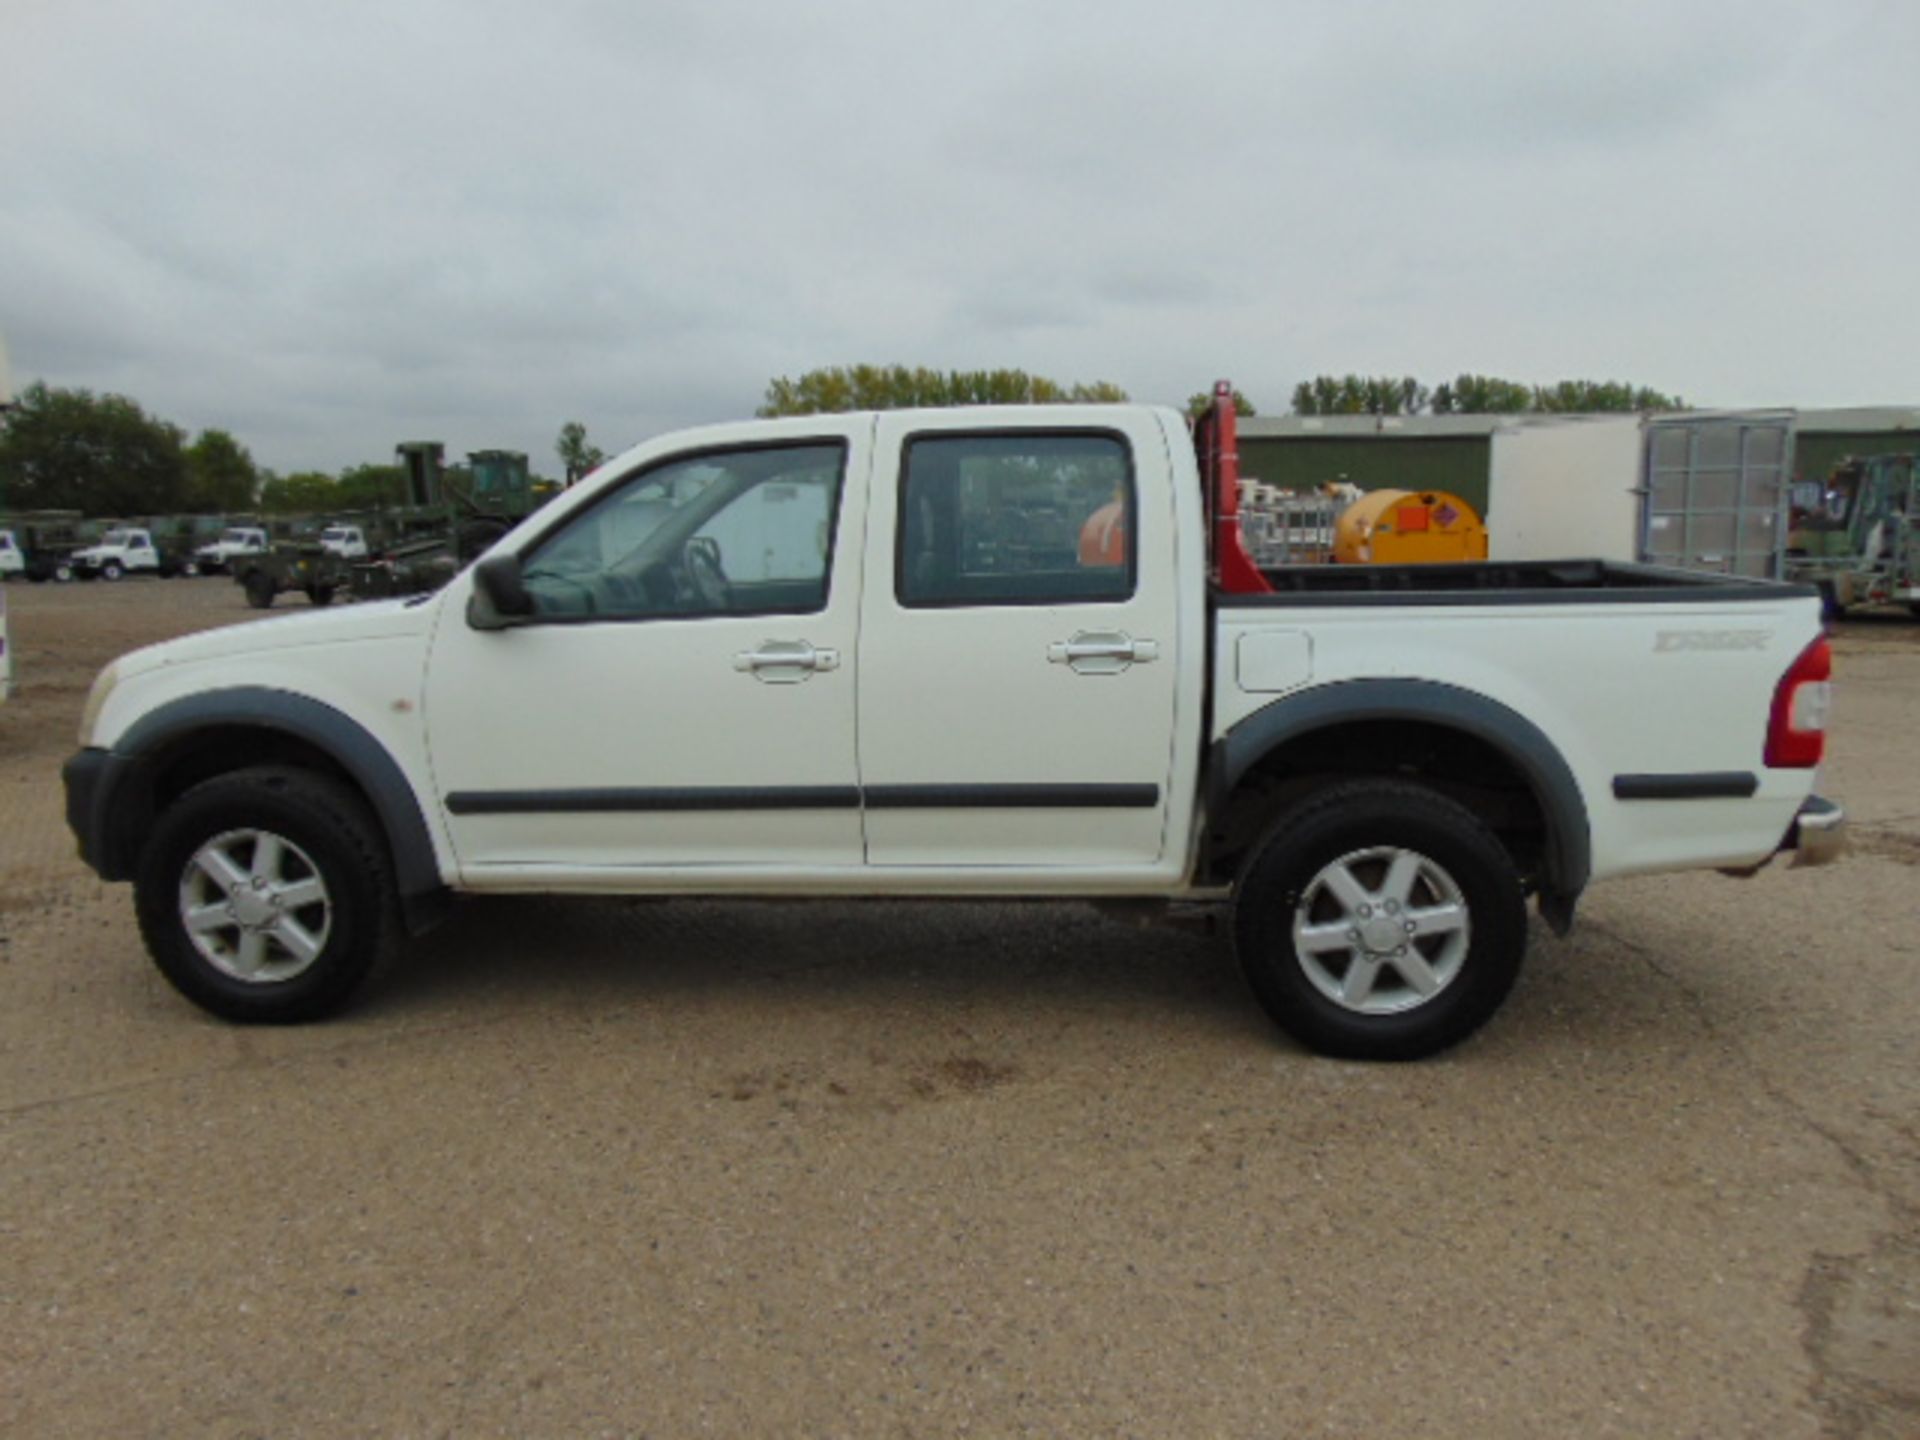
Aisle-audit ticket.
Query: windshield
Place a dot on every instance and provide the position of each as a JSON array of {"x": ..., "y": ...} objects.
[
  {"x": 234, "y": 537},
  {"x": 336, "y": 533},
  {"x": 114, "y": 537}
]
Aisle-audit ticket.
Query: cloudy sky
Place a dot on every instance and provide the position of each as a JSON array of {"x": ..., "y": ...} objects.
[{"x": 328, "y": 227}]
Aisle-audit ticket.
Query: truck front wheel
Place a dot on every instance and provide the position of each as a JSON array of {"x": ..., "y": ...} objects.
[
  {"x": 1380, "y": 921},
  {"x": 266, "y": 896},
  {"x": 260, "y": 589}
]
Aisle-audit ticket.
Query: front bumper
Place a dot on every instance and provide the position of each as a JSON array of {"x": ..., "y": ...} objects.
[
  {"x": 1818, "y": 835},
  {"x": 109, "y": 817}
]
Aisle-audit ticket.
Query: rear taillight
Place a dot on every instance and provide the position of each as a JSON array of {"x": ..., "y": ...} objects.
[{"x": 1797, "y": 729}]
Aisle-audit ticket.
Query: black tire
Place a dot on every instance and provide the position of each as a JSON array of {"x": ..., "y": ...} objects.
[
  {"x": 320, "y": 596},
  {"x": 1475, "y": 964},
  {"x": 327, "y": 832},
  {"x": 260, "y": 589}
]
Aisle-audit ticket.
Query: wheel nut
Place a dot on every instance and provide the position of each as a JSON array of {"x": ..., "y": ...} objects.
[
  {"x": 1392, "y": 906},
  {"x": 1409, "y": 924},
  {"x": 1366, "y": 911},
  {"x": 1353, "y": 934},
  {"x": 1401, "y": 951}
]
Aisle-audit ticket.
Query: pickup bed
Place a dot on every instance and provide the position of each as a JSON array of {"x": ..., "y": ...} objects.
[{"x": 984, "y": 652}]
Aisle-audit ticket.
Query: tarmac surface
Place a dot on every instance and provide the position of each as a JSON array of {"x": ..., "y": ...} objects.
[{"x": 687, "y": 1168}]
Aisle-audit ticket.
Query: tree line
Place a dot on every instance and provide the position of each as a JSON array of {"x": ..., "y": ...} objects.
[
  {"x": 840, "y": 388},
  {"x": 104, "y": 455},
  {"x": 70, "y": 449},
  {"x": 1472, "y": 395}
]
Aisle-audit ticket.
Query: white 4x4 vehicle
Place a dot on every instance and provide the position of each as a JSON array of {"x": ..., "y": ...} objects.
[
  {"x": 985, "y": 652},
  {"x": 349, "y": 542},
  {"x": 12, "y": 561},
  {"x": 234, "y": 542},
  {"x": 121, "y": 551}
]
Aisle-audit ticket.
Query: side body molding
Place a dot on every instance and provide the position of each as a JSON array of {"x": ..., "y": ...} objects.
[
  {"x": 1569, "y": 857},
  {"x": 123, "y": 791}
]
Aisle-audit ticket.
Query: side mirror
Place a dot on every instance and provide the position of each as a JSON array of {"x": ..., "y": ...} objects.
[{"x": 500, "y": 598}]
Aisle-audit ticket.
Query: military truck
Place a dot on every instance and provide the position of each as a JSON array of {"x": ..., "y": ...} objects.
[
  {"x": 450, "y": 516},
  {"x": 299, "y": 556},
  {"x": 46, "y": 541},
  {"x": 1858, "y": 536}
]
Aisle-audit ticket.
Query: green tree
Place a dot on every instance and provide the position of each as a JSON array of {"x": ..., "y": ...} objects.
[
  {"x": 371, "y": 487},
  {"x": 100, "y": 454},
  {"x": 1482, "y": 395},
  {"x": 1360, "y": 395},
  {"x": 302, "y": 492},
  {"x": 575, "y": 453},
  {"x": 839, "y": 388},
  {"x": 220, "y": 474},
  {"x": 1599, "y": 396},
  {"x": 1200, "y": 403}
]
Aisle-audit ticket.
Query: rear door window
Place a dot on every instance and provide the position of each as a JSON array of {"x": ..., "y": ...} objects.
[{"x": 1016, "y": 519}]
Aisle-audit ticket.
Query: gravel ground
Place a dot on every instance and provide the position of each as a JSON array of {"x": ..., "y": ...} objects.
[{"x": 603, "y": 1167}]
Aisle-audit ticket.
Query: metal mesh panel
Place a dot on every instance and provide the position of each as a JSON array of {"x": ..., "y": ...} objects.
[{"x": 1715, "y": 497}]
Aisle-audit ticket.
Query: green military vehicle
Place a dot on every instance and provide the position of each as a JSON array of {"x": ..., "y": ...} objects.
[
  {"x": 451, "y": 516},
  {"x": 447, "y": 517},
  {"x": 1858, "y": 537},
  {"x": 44, "y": 542},
  {"x": 312, "y": 556}
]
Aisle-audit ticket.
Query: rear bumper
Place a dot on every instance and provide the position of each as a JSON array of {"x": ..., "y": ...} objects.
[{"x": 1818, "y": 835}]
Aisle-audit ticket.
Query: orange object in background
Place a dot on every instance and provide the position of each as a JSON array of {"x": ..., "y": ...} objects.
[
  {"x": 1103, "y": 539},
  {"x": 1408, "y": 527}
]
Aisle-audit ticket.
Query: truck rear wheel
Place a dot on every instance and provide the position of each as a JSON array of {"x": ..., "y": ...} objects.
[
  {"x": 266, "y": 895},
  {"x": 1380, "y": 921},
  {"x": 260, "y": 589}
]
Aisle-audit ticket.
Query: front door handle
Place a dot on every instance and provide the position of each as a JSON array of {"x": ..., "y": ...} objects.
[
  {"x": 1102, "y": 652},
  {"x": 785, "y": 662}
]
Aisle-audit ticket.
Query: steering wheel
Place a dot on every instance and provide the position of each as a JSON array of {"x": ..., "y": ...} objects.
[{"x": 706, "y": 582}]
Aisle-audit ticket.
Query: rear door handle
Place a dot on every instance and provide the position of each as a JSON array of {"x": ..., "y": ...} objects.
[
  {"x": 1102, "y": 652},
  {"x": 785, "y": 662}
]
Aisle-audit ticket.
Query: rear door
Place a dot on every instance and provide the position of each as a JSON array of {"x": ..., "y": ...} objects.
[{"x": 1017, "y": 665}]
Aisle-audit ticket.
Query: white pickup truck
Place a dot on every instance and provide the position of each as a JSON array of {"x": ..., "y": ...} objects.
[
  {"x": 348, "y": 542},
  {"x": 122, "y": 551},
  {"x": 984, "y": 652},
  {"x": 235, "y": 542}
]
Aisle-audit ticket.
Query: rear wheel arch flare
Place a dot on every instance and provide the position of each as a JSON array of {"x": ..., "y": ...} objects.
[{"x": 1508, "y": 733}]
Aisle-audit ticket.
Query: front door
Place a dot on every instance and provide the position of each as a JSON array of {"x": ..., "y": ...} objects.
[
  {"x": 683, "y": 695},
  {"x": 1017, "y": 654}
]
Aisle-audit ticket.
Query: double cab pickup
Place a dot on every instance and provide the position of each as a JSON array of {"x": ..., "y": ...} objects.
[{"x": 983, "y": 652}]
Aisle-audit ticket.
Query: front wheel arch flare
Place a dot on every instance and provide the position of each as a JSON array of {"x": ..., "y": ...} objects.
[{"x": 358, "y": 754}]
